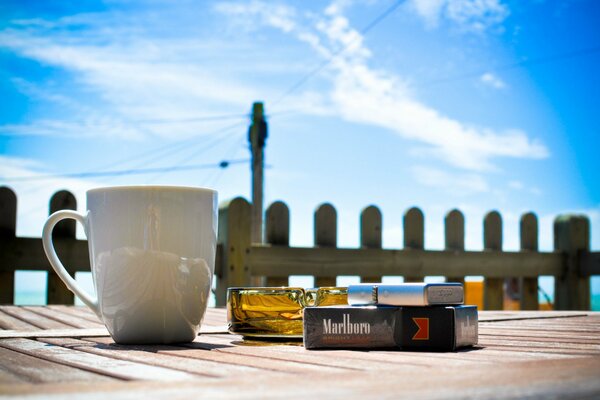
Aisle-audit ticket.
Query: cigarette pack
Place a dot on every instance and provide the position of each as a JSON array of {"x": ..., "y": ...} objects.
[
  {"x": 442, "y": 328},
  {"x": 406, "y": 294}
]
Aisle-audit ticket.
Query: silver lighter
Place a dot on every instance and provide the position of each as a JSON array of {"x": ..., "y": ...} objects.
[{"x": 406, "y": 294}]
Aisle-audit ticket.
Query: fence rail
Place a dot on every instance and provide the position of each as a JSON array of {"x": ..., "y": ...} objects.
[{"x": 239, "y": 260}]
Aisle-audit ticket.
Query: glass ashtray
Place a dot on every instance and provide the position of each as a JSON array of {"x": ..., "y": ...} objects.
[{"x": 276, "y": 312}]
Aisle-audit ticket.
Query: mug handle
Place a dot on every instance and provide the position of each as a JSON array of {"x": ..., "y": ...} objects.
[{"x": 71, "y": 284}]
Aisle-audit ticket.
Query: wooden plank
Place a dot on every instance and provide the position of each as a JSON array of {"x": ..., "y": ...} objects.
[
  {"x": 234, "y": 235},
  {"x": 8, "y": 226},
  {"x": 8, "y": 378},
  {"x": 57, "y": 292},
  {"x": 572, "y": 237},
  {"x": 371, "y": 232},
  {"x": 91, "y": 362},
  {"x": 146, "y": 355},
  {"x": 414, "y": 236},
  {"x": 488, "y": 316},
  {"x": 69, "y": 319},
  {"x": 82, "y": 312},
  {"x": 24, "y": 253},
  {"x": 7, "y": 321},
  {"x": 268, "y": 260},
  {"x": 325, "y": 235},
  {"x": 528, "y": 228},
  {"x": 89, "y": 332},
  {"x": 563, "y": 378},
  {"x": 174, "y": 357},
  {"x": 36, "y": 370},
  {"x": 493, "y": 292},
  {"x": 454, "y": 237},
  {"x": 590, "y": 263},
  {"x": 34, "y": 319},
  {"x": 277, "y": 229},
  {"x": 54, "y": 333},
  {"x": 297, "y": 353}
]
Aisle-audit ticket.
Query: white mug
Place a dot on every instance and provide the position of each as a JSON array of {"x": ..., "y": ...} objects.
[{"x": 152, "y": 254}]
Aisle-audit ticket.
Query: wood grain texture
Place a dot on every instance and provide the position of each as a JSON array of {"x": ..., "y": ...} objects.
[
  {"x": 33, "y": 318},
  {"x": 91, "y": 362},
  {"x": 7, "y": 321},
  {"x": 36, "y": 370}
]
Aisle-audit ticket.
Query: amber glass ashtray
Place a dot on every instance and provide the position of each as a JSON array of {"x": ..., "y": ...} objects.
[{"x": 276, "y": 312}]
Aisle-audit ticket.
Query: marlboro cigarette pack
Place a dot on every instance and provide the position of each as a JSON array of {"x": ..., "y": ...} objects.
[{"x": 443, "y": 328}]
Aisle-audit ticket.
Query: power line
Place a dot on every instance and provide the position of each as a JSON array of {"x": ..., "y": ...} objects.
[
  {"x": 374, "y": 22},
  {"x": 193, "y": 119},
  {"x": 519, "y": 64},
  {"x": 222, "y": 164}
]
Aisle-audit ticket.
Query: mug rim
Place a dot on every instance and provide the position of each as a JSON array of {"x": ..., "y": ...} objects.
[{"x": 150, "y": 188}]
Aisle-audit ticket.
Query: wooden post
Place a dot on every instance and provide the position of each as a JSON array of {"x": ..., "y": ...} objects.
[
  {"x": 528, "y": 228},
  {"x": 493, "y": 293},
  {"x": 57, "y": 292},
  {"x": 325, "y": 236},
  {"x": 370, "y": 235},
  {"x": 572, "y": 237},
  {"x": 414, "y": 235},
  {"x": 8, "y": 229},
  {"x": 277, "y": 229},
  {"x": 235, "y": 238},
  {"x": 454, "y": 233},
  {"x": 257, "y": 136}
]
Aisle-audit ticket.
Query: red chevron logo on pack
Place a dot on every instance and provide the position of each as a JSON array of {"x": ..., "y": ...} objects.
[{"x": 423, "y": 331}]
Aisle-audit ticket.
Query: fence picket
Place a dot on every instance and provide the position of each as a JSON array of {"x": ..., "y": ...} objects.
[
  {"x": 493, "y": 293},
  {"x": 454, "y": 230},
  {"x": 528, "y": 227},
  {"x": 370, "y": 235},
  {"x": 572, "y": 237},
  {"x": 414, "y": 235},
  {"x": 57, "y": 292},
  {"x": 325, "y": 236},
  {"x": 235, "y": 238},
  {"x": 8, "y": 228},
  {"x": 277, "y": 231}
]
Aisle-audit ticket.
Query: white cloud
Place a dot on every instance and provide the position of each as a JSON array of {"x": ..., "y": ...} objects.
[
  {"x": 456, "y": 184},
  {"x": 518, "y": 185},
  {"x": 362, "y": 94},
  {"x": 492, "y": 80},
  {"x": 468, "y": 15},
  {"x": 125, "y": 80},
  {"x": 276, "y": 15}
]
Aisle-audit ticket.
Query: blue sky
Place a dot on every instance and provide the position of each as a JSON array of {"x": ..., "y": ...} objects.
[{"x": 474, "y": 104}]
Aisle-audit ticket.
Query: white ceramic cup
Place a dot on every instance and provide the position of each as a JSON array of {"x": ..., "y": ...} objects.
[{"x": 152, "y": 253}]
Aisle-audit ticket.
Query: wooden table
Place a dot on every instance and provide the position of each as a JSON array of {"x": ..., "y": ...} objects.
[{"x": 65, "y": 351}]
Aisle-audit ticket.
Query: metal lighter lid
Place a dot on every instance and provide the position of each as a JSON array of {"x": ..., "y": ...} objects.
[
  {"x": 363, "y": 294},
  {"x": 406, "y": 294}
]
